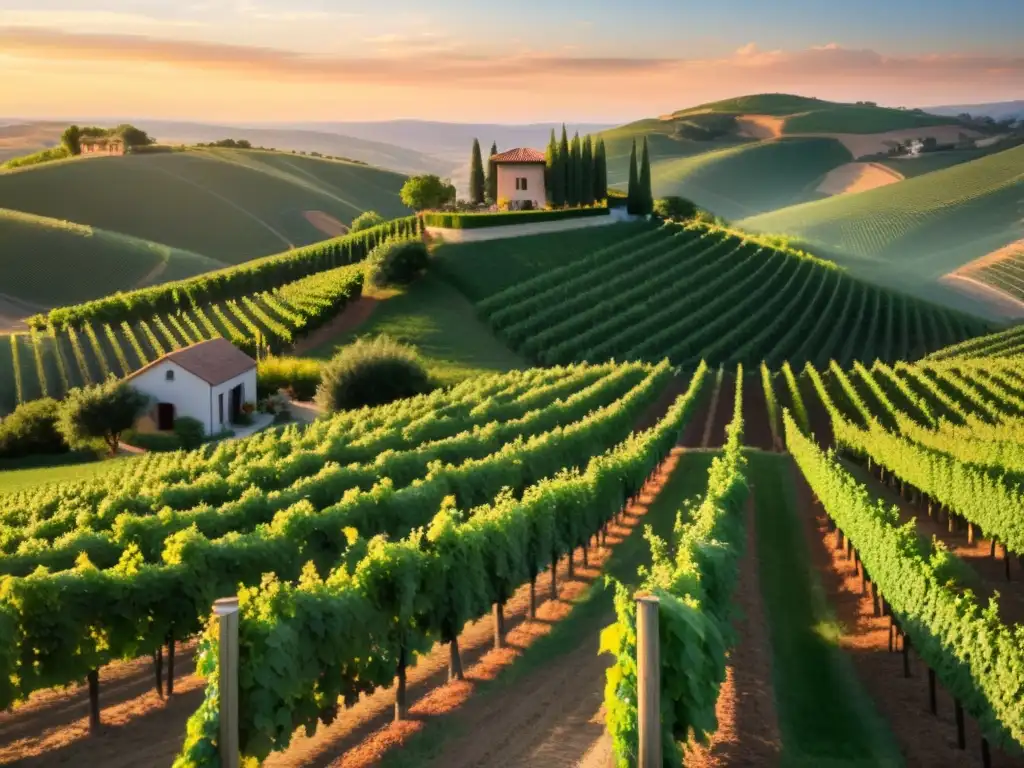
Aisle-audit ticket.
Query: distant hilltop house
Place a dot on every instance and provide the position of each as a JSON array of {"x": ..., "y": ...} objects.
[
  {"x": 209, "y": 381},
  {"x": 521, "y": 178},
  {"x": 102, "y": 145}
]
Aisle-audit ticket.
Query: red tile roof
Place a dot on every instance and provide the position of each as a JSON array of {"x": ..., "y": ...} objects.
[
  {"x": 214, "y": 361},
  {"x": 519, "y": 155}
]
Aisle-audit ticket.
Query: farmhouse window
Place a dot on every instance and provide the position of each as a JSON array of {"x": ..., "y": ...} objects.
[
  {"x": 220, "y": 406},
  {"x": 169, "y": 375},
  {"x": 521, "y": 183}
]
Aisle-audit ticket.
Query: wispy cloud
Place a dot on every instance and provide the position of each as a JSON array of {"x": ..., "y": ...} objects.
[
  {"x": 90, "y": 20},
  {"x": 399, "y": 61}
]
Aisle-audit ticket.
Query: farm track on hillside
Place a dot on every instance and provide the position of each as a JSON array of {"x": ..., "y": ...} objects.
[{"x": 923, "y": 738}]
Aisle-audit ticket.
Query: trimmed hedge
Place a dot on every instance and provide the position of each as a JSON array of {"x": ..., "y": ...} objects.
[
  {"x": 250, "y": 277},
  {"x": 506, "y": 218}
]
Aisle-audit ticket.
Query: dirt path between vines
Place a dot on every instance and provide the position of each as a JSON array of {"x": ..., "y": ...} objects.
[
  {"x": 723, "y": 409},
  {"x": 748, "y": 724},
  {"x": 924, "y": 739},
  {"x": 350, "y": 319},
  {"x": 138, "y": 726}
]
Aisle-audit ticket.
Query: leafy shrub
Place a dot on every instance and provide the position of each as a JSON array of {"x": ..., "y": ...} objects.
[
  {"x": 396, "y": 262},
  {"x": 100, "y": 412},
  {"x": 32, "y": 429},
  {"x": 190, "y": 432},
  {"x": 427, "y": 191},
  {"x": 372, "y": 373},
  {"x": 366, "y": 220},
  {"x": 298, "y": 376},
  {"x": 674, "y": 207}
]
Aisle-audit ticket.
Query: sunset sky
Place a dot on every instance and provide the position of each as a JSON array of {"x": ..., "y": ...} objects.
[{"x": 528, "y": 60}]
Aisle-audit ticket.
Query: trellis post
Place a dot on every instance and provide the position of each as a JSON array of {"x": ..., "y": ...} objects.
[
  {"x": 226, "y": 611},
  {"x": 648, "y": 678}
]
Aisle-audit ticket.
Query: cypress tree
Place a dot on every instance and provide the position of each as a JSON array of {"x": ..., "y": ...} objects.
[
  {"x": 477, "y": 183},
  {"x": 587, "y": 172},
  {"x": 600, "y": 171},
  {"x": 645, "y": 195},
  {"x": 491, "y": 182},
  {"x": 564, "y": 162},
  {"x": 632, "y": 191},
  {"x": 572, "y": 193},
  {"x": 553, "y": 176}
]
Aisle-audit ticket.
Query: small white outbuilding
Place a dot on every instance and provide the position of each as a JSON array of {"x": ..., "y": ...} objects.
[{"x": 209, "y": 381}]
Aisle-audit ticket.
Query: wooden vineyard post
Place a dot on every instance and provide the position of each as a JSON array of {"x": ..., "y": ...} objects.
[
  {"x": 933, "y": 704},
  {"x": 1006, "y": 560},
  {"x": 401, "y": 706},
  {"x": 648, "y": 678},
  {"x": 533, "y": 597},
  {"x": 226, "y": 611},
  {"x": 906, "y": 655},
  {"x": 94, "y": 701},
  {"x": 961, "y": 741},
  {"x": 499, "y": 626},
  {"x": 170, "y": 664},
  {"x": 970, "y": 532},
  {"x": 586, "y": 545},
  {"x": 572, "y": 552},
  {"x": 874, "y": 599},
  {"x": 158, "y": 669},
  {"x": 554, "y": 576},
  {"x": 454, "y": 661}
]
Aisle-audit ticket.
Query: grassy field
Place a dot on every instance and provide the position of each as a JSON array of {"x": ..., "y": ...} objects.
[
  {"x": 751, "y": 178},
  {"x": 925, "y": 226},
  {"x": 441, "y": 323},
  {"x": 851, "y": 118},
  {"x": 230, "y": 205},
  {"x": 484, "y": 268},
  {"x": 51, "y": 262},
  {"x": 19, "y": 479},
  {"x": 825, "y": 716}
]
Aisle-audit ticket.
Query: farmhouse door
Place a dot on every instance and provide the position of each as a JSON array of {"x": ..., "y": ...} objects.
[
  {"x": 236, "y": 403},
  {"x": 165, "y": 417}
]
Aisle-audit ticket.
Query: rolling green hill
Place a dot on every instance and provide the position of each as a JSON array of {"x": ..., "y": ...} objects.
[
  {"x": 231, "y": 205},
  {"x": 777, "y": 104},
  {"x": 751, "y": 178},
  {"x": 47, "y": 262},
  {"x": 853, "y": 118},
  {"x": 928, "y": 226}
]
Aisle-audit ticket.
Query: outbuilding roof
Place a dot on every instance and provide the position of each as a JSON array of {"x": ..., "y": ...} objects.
[
  {"x": 214, "y": 361},
  {"x": 519, "y": 155}
]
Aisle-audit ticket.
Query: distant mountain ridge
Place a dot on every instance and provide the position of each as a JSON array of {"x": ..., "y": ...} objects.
[{"x": 997, "y": 110}]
